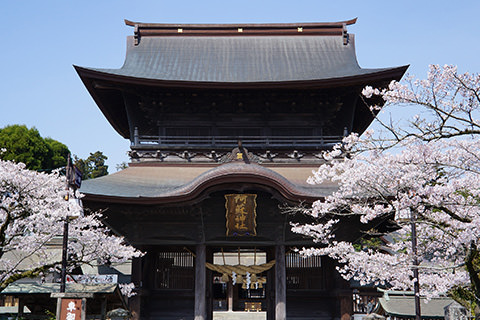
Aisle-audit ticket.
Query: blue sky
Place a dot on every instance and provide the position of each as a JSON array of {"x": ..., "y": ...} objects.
[{"x": 41, "y": 40}]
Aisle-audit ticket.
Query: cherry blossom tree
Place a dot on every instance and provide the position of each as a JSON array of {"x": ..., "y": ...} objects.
[
  {"x": 445, "y": 105},
  {"x": 32, "y": 212},
  {"x": 425, "y": 175}
]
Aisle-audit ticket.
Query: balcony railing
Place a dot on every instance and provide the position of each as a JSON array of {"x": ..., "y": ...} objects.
[{"x": 229, "y": 142}]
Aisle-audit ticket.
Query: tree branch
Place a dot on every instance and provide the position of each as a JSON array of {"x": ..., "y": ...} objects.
[
  {"x": 469, "y": 264},
  {"x": 25, "y": 274}
]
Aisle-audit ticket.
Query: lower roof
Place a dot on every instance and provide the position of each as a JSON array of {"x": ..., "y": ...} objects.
[
  {"x": 19, "y": 288},
  {"x": 12, "y": 310},
  {"x": 174, "y": 183},
  {"x": 404, "y": 306}
]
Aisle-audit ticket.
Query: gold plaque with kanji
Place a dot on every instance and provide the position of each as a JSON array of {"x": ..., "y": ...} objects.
[{"x": 241, "y": 214}]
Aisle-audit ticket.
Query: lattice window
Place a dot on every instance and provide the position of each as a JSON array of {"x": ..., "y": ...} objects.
[
  {"x": 175, "y": 270},
  {"x": 304, "y": 273}
]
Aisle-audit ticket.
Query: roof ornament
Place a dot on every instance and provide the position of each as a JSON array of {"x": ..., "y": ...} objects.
[
  {"x": 133, "y": 154},
  {"x": 213, "y": 155},
  {"x": 160, "y": 155},
  {"x": 242, "y": 152},
  {"x": 295, "y": 155},
  {"x": 320, "y": 155},
  {"x": 238, "y": 154},
  {"x": 345, "y": 34},
  {"x": 136, "y": 35},
  {"x": 268, "y": 155},
  {"x": 186, "y": 155}
]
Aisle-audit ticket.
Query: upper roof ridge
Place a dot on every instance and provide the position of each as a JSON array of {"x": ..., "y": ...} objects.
[
  {"x": 241, "y": 29},
  {"x": 236, "y": 25}
]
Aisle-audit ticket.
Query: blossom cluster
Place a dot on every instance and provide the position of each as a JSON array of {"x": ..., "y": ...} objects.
[
  {"x": 445, "y": 104},
  {"x": 430, "y": 179},
  {"x": 32, "y": 213},
  {"x": 437, "y": 183}
]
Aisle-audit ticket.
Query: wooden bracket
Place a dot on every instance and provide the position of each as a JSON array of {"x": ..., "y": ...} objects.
[
  {"x": 345, "y": 34},
  {"x": 136, "y": 35}
]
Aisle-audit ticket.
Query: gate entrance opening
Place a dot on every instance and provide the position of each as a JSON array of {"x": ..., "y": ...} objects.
[{"x": 238, "y": 285}]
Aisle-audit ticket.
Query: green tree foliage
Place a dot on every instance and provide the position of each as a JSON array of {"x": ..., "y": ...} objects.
[
  {"x": 26, "y": 145},
  {"x": 92, "y": 167},
  {"x": 59, "y": 153}
]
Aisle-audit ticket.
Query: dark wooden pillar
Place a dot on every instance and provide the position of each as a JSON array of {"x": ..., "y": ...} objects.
[
  {"x": 209, "y": 285},
  {"x": 344, "y": 294},
  {"x": 135, "y": 301},
  {"x": 346, "y": 305},
  {"x": 280, "y": 283},
  {"x": 200, "y": 283},
  {"x": 21, "y": 305},
  {"x": 271, "y": 286},
  {"x": 230, "y": 295},
  {"x": 103, "y": 309}
]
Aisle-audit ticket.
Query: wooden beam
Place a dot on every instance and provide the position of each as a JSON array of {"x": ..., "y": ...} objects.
[
  {"x": 59, "y": 307},
  {"x": 293, "y": 31},
  {"x": 200, "y": 283},
  {"x": 280, "y": 283},
  {"x": 239, "y": 25},
  {"x": 72, "y": 295},
  {"x": 84, "y": 309}
]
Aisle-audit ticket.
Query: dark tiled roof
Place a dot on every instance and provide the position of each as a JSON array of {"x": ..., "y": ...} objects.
[
  {"x": 18, "y": 288},
  {"x": 174, "y": 182},
  {"x": 240, "y": 59},
  {"x": 404, "y": 306}
]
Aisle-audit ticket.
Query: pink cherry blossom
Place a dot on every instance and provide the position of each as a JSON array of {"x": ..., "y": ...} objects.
[
  {"x": 425, "y": 171},
  {"x": 32, "y": 212}
]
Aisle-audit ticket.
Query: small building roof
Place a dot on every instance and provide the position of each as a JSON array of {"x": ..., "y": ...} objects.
[
  {"x": 12, "y": 310},
  {"x": 166, "y": 183},
  {"x": 404, "y": 306},
  {"x": 19, "y": 288},
  {"x": 35, "y": 292}
]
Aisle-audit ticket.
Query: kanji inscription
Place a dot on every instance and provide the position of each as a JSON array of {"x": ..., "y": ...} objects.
[
  {"x": 71, "y": 309},
  {"x": 241, "y": 214}
]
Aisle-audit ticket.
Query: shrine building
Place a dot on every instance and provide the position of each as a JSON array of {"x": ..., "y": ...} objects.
[{"x": 226, "y": 123}]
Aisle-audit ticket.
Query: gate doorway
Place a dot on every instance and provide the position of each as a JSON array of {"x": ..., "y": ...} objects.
[{"x": 239, "y": 284}]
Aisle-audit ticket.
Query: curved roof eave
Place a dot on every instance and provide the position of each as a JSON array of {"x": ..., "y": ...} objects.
[
  {"x": 375, "y": 75},
  {"x": 191, "y": 190}
]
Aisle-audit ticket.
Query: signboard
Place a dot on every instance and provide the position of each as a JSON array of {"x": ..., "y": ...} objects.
[
  {"x": 92, "y": 278},
  {"x": 71, "y": 309},
  {"x": 241, "y": 214}
]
